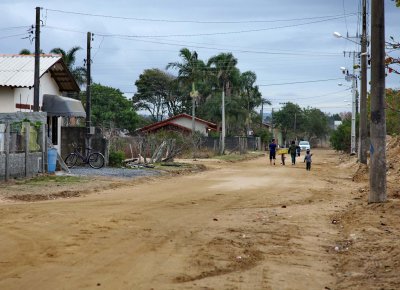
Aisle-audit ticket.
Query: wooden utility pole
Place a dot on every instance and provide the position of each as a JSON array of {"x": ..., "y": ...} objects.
[
  {"x": 88, "y": 95},
  {"x": 363, "y": 130},
  {"x": 36, "y": 82},
  {"x": 378, "y": 119},
  {"x": 222, "y": 149}
]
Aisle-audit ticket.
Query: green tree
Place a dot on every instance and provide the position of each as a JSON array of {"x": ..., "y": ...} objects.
[
  {"x": 191, "y": 71},
  {"x": 251, "y": 96},
  {"x": 340, "y": 138},
  {"x": 316, "y": 123},
  {"x": 289, "y": 119},
  {"x": 226, "y": 75},
  {"x": 111, "y": 108},
  {"x": 25, "y": 51},
  {"x": 69, "y": 58},
  {"x": 156, "y": 94}
]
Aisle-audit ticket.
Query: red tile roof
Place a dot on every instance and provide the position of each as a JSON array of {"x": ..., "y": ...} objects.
[{"x": 168, "y": 121}]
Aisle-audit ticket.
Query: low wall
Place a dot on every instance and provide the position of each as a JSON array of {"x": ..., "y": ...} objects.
[
  {"x": 17, "y": 165},
  {"x": 71, "y": 135}
]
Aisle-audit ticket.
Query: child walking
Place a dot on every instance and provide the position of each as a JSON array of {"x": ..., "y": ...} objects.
[{"x": 307, "y": 159}]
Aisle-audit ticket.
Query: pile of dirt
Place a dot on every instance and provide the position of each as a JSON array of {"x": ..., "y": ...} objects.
[
  {"x": 372, "y": 259},
  {"x": 361, "y": 174},
  {"x": 392, "y": 166}
]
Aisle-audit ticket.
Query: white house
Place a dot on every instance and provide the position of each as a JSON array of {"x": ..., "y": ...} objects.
[{"x": 16, "y": 89}]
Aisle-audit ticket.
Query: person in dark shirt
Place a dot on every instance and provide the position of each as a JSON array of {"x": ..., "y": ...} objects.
[
  {"x": 272, "y": 151},
  {"x": 293, "y": 151}
]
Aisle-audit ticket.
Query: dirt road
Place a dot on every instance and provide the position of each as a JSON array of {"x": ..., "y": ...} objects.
[{"x": 244, "y": 225}]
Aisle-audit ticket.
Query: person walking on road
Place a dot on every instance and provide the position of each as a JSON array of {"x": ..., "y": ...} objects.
[
  {"x": 307, "y": 159},
  {"x": 272, "y": 151},
  {"x": 293, "y": 152}
]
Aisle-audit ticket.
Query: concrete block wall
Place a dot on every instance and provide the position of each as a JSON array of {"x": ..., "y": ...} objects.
[{"x": 17, "y": 164}]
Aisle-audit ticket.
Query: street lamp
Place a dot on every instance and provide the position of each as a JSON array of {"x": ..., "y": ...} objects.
[{"x": 338, "y": 35}]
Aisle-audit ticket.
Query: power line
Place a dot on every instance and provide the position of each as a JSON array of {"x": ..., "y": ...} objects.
[
  {"x": 292, "y": 83},
  {"x": 202, "y": 47},
  {"x": 313, "y": 97},
  {"x": 195, "y": 21},
  {"x": 221, "y": 33},
  {"x": 202, "y": 34},
  {"x": 14, "y": 35},
  {"x": 15, "y": 27}
]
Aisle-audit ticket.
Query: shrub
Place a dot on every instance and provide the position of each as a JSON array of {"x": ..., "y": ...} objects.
[
  {"x": 340, "y": 138},
  {"x": 116, "y": 158}
]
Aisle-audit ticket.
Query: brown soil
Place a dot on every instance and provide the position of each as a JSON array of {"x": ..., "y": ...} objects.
[{"x": 245, "y": 225}]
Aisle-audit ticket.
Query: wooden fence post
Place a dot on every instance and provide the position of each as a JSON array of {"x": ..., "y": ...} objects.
[
  {"x": 7, "y": 151},
  {"x": 43, "y": 145},
  {"x": 27, "y": 127}
]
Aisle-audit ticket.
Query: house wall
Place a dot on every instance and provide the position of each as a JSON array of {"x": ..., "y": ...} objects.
[
  {"x": 24, "y": 96},
  {"x": 185, "y": 122}
]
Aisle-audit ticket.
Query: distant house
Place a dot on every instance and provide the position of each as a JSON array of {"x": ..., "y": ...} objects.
[
  {"x": 336, "y": 124},
  {"x": 16, "y": 90},
  {"x": 180, "y": 123}
]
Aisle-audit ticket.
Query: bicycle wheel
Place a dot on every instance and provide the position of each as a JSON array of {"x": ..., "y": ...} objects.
[
  {"x": 71, "y": 159},
  {"x": 96, "y": 160}
]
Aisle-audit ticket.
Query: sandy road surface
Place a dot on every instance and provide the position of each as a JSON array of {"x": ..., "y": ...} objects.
[{"x": 242, "y": 225}]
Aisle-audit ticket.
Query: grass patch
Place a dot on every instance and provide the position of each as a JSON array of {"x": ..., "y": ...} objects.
[
  {"x": 179, "y": 167},
  {"x": 238, "y": 157},
  {"x": 54, "y": 179}
]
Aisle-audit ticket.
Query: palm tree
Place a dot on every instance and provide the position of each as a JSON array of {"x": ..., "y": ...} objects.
[
  {"x": 251, "y": 94},
  {"x": 224, "y": 67},
  {"x": 191, "y": 71},
  {"x": 69, "y": 58}
]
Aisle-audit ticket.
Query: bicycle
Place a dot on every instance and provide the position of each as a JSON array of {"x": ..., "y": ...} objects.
[{"x": 94, "y": 159}]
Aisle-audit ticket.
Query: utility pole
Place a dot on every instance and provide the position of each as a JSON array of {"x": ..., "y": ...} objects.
[
  {"x": 194, "y": 94},
  {"x": 88, "y": 93},
  {"x": 377, "y": 180},
  {"x": 36, "y": 82},
  {"x": 223, "y": 120},
  {"x": 353, "y": 110},
  {"x": 363, "y": 130},
  {"x": 353, "y": 78}
]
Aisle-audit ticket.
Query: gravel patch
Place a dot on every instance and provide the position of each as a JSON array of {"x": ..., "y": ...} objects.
[{"x": 114, "y": 172}]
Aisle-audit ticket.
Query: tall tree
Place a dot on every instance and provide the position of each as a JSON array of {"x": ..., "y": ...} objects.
[
  {"x": 252, "y": 97},
  {"x": 191, "y": 71},
  {"x": 316, "y": 123},
  {"x": 223, "y": 67},
  {"x": 157, "y": 94},
  {"x": 288, "y": 119}
]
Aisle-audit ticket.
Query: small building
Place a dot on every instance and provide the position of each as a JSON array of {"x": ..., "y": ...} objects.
[
  {"x": 16, "y": 90},
  {"x": 180, "y": 123},
  {"x": 336, "y": 124}
]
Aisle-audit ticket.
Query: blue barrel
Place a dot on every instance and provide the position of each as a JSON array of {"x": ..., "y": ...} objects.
[{"x": 51, "y": 160}]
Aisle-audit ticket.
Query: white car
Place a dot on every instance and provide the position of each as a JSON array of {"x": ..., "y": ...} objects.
[{"x": 304, "y": 145}]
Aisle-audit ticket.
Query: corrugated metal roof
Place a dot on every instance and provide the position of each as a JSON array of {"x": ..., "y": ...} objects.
[{"x": 18, "y": 70}]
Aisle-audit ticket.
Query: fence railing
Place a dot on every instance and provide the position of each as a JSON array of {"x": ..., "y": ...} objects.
[{"x": 23, "y": 150}]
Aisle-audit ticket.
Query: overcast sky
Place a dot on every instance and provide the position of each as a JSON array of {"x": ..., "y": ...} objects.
[{"x": 283, "y": 42}]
